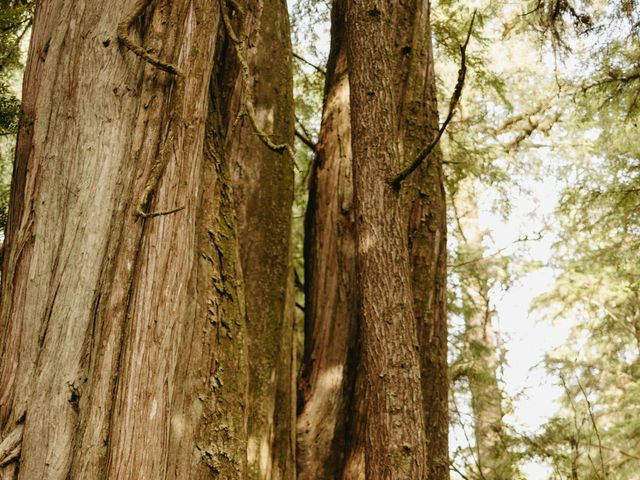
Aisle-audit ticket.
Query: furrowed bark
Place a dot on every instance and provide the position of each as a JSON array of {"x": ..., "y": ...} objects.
[
  {"x": 427, "y": 234},
  {"x": 263, "y": 187},
  {"x": 394, "y": 440},
  {"x": 323, "y": 421},
  {"x": 123, "y": 339},
  {"x": 331, "y": 310}
]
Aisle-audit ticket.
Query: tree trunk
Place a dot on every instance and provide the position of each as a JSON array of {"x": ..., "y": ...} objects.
[
  {"x": 427, "y": 236},
  {"x": 393, "y": 428},
  {"x": 263, "y": 188},
  {"x": 124, "y": 346},
  {"x": 328, "y": 376},
  {"x": 324, "y": 426}
]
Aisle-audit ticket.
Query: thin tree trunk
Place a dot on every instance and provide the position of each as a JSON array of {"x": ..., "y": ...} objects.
[
  {"x": 393, "y": 428},
  {"x": 427, "y": 236},
  {"x": 123, "y": 347},
  {"x": 263, "y": 187},
  {"x": 328, "y": 376},
  {"x": 494, "y": 458}
]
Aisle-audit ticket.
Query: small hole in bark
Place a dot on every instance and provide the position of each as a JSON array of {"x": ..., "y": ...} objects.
[
  {"x": 406, "y": 50},
  {"x": 374, "y": 12},
  {"x": 74, "y": 396},
  {"x": 106, "y": 43}
]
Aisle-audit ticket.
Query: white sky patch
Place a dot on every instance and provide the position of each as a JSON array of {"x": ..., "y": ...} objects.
[{"x": 525, "y": 334}]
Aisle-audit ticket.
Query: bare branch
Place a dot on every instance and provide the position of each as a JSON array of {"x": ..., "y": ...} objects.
[
  {"x": 154, "y": 179},
  {"x": 595, "y": 426},
  {"x": 315, "y": 67},
  {"x": 247, "y": 108},
  {"x": 160, "y": 213},
  {"x": 457, "y": 470},
  {"x": 522, "y": 239},
  {"x": 396, "y": 182},
  {"x": 304, "y": 139},
  {"x": 127, "y": 41}
]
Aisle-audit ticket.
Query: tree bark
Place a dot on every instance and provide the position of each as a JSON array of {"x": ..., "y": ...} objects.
[
  {"x": 427, "y": 236},
  {"x": 263, "y": 188},
  {"x": 123, "y": 339},
  {"x": 324, "y": 422},
  {"x": 393, "y": 428},
  {"x": 331, "y": 309}
]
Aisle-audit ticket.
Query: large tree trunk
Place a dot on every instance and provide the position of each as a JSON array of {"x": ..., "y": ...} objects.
[
  {"x": 123, "y": 339},
  {"x": 328, "y": 376},
  {"x": 324, "y": 422},
  {"x": 263, "y": 188}
]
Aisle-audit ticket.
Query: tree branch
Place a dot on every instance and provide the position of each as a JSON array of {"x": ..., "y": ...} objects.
[
  {"x": 315, "y": 67},
  {"x": 595, "y": 426},
  {"x": 304, "y": 139},
  {"x": 396, "y": 182},
  {"x": 127, "y": 41},
  {"x": 154, "y": 178}
]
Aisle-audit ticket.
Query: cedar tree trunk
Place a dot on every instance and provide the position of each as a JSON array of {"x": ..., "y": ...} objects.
[
  {"x": 427, "y": 236},
  {"x": 123, "y": 344},
  {"x": 326, "y": 386},
  {"x": 392, "y": 438},
  {"x": 325, "y": 423},
  {"x": 263, "y": 192}
]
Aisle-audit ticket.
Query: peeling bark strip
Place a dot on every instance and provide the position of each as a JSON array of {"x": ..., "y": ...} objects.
[
  {"x": 11, "y": 445},
  {"x": 123, "y": 340}
]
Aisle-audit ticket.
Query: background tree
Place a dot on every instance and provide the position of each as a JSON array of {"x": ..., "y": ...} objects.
[{"x": 15, "y": 21}]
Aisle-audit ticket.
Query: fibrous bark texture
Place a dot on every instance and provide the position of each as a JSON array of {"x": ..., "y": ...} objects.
[
  {"x": 263, "y": 188},
  {"x": 123, "y": 347},
  {"x": 326, "y": 386},
  {"x": 427, "y": 236},
  {"x": 392, "y": 421},
  {"x": 329, "y": 419}
]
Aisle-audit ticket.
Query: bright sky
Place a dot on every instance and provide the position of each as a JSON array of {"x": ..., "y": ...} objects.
[{"x": 526, "y": 336}]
